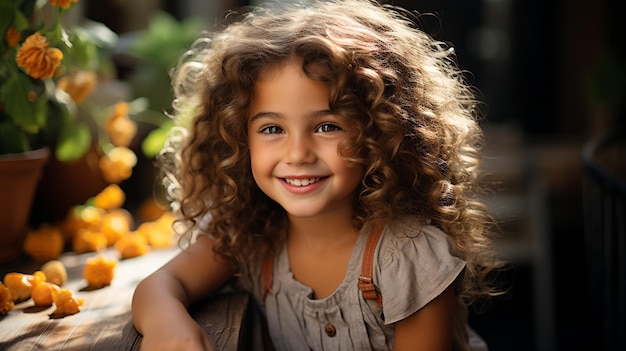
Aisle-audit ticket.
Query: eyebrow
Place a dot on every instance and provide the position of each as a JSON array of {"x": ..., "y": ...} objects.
[{"x": 276, "y": 115}]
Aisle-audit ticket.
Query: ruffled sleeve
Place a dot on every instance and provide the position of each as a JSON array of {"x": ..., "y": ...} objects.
[{"x": 415, "y": 265}]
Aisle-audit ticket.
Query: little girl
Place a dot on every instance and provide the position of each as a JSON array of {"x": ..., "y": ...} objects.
[{"x": 330, "y": 169}]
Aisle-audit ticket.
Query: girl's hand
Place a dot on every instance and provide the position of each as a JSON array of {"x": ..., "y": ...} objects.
[
  {"x": 181, "y": 333},
  {"x": 160, "y": 301}
]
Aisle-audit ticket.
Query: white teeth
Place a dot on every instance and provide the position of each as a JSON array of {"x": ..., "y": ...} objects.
[{"x": 301, "y": 182}]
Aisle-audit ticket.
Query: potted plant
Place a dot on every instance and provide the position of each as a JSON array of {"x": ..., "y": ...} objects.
[
  {"x": 150, "y": 67},
  {"x": 47, "y": 70}
]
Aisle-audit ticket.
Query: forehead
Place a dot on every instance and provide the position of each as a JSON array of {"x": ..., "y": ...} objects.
[{"x": 287, "y": 88}]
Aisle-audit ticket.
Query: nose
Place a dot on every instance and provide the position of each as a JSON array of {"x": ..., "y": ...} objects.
[{"x": 299, "y": 149}]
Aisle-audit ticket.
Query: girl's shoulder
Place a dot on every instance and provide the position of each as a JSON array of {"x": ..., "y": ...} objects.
[{"x": 415, "y": 263}]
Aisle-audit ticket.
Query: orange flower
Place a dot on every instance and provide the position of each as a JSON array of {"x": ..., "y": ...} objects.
[
  {"x": 12, "y": 37},
  {"x": 78, "y": 85},
  {"x": 66, "y": 303},
  {"x": 42, "y": 293},
  {"x": 64, "y": 4},
  {"x": 120, "y": 128},
  {"x": 132, "y": 245},
  {"x": 21, "y": 285},
  {"x": 120, "y": 109},
  {"x": 114, "y": 226},
  {"x": 99, "y": 271},
  {"x": 157, "y": 233},
  {"x": 45, "y": 243},
  {"x": 110, "y": 197},
  {"x": 150, "y": 210},
  {"x": 6, "y": 302},
  {"x": 118, "y": 164},
  {"x": 89, "y": 240},
  {"x": 79, "y": 217},
  {"x": 35, "y": 57}
]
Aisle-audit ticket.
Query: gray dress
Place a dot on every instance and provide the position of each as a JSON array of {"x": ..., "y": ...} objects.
[{"x": 413, "y": 265}]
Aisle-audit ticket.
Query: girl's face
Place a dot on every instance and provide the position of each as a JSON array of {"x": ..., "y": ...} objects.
[{"x": 293, "y": 139}]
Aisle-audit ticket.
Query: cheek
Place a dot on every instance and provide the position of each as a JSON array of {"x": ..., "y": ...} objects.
[{"x": 352, "y": 172}]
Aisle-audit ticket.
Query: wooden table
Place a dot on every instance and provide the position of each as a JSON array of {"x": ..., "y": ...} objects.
[{"x": 104, "y": 322}]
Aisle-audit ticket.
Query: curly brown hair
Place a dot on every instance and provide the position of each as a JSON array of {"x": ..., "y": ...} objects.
[{"x": 415, "y": 118}]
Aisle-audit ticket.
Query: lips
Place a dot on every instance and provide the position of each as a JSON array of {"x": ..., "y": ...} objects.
[{"x": 301, "y": 182}]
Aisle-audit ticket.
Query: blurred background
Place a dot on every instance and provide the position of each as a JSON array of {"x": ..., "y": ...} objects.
[{"x": 553, "y": 75}]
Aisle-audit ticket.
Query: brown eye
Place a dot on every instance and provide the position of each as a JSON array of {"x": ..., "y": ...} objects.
[
  {"x": 327, "y": 128},
  {"x": 271, "y": 130}
]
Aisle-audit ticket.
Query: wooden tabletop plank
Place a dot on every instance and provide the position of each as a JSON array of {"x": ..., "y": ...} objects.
[{"x": 104, "y": 322}]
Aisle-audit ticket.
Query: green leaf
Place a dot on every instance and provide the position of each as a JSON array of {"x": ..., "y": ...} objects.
[
  {"x": 83, "y": 53},
  {"x": 12, "y": 139},
  {"x": 97, "y": 33},
  {"x": 64, "y": 36},
  {"x": 41, "y": 111},
  {"x": 60, "y": 113},
  {"x": 7, "y": 11},
  {"x": 39, "y": 3},
  {"x": 139, "y": 105},
  {"x": 24, "y": 113},
  {"x": 74, "y": 142},
  {"x": 154, "y": 141},
  {"x": 20, "y": 22},
  {"x": 164, "y": 31}
]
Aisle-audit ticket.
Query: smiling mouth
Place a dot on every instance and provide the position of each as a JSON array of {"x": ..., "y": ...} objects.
[{"x": 301, "y": 182}]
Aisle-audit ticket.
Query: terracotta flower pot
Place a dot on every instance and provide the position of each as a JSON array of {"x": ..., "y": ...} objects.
[
  {"x": 64, "y": 185},
  {"x": 19, "y": 175}
]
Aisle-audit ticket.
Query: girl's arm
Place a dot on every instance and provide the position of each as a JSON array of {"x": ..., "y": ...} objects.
[
  {"x": 430, "y": 328},
  {"x": 160, "y": 301}
]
